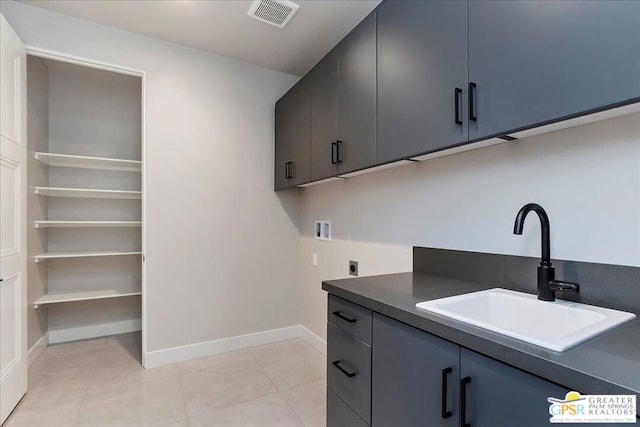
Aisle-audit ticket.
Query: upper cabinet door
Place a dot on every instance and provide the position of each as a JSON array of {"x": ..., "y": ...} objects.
[
  {"x": 293, "y": 134},
  {"x": 422, "y": 77},
  {"x": 540, "y": 61},
  {"x": 324, "y": 117},
  {"x": 357, "y": 98}
]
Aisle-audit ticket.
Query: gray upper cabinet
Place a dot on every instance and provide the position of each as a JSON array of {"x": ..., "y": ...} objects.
[
  {"x": 324, "y": 117},
  {"x": 539, "y": 61},
  {"x": 343, "y": 105},
  {"x": 416, "y": 77},
  {"x": 356, "y": 148},
  {"x": 293, "y": 134},
  {"x": 415, "y": 377},
  {"x": 422, "y": 75}
]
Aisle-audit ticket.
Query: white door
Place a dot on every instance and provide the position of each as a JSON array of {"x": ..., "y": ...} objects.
[{"x": 13, "y": 259}]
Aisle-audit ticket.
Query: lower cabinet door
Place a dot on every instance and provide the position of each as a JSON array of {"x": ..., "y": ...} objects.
[
  {"x": 415, "y": 377},
  {"x": 339, "y": 414},
  {"x": 496, "y": 394},
  {"x": 349, "y": 370}
]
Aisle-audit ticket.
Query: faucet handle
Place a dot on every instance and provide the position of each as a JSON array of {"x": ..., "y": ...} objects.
[{"x": 561, "y": 285}]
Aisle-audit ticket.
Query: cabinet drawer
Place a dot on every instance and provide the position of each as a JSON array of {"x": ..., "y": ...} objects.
[
  {"x": 350, "y": 317},
  {"x": 339, "y": 414},
  {"x": 349, "y": 370}
]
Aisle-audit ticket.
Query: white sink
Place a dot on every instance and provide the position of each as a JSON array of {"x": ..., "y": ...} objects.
[{"x": 557, "y": 325}]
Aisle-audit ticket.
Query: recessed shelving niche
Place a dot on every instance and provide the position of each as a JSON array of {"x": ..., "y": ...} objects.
[{"x": 85, "y": 194}]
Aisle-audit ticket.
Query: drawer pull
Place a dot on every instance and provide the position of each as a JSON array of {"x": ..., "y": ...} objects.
[
  {"x": 463, "y": 401},
  {"x": 456, "y": 94},
  {"x": 472, "y": 102},
  {"x": 341, "y": 369},
  {"x": 339, "y": 151},
  {"x": 445, "y": 413},
  {"x": 343, "y": 317}
]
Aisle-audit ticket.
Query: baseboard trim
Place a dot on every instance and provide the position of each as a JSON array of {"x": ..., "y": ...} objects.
[
  {"x": 36, "y": 349},
  {"x": 313, "y": 339},
  {"x": 57, "y": 336},
  {"x": 162, "y": 357},
  {"x": 193, "y": 351}
]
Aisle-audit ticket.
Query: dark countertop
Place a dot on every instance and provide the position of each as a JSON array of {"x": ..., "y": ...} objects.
[{"x": 606, "y": 364}]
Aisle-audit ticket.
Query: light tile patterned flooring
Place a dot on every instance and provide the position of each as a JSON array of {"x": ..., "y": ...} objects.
[{"x": 100, "y": 382}]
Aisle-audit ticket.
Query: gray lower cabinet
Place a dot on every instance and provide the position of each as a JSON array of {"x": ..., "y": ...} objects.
[
  {"x": 422, "y": 77},
  {"x": 293, "y": 133},
  {"x": 500, "y": 395},
  {"x": 422, "y": 380},
  {"x": 349, "y": 370},
  {"x": 348, "y": 364},
  {"x": 339, "y": 414},
  {"x": 415, "y": 377},
  {"x": 496, "y": 394},
  {"x": 419, "y": 379},
  {"x": 350, "y": 317},
  {"x": 539, "y": 61}
]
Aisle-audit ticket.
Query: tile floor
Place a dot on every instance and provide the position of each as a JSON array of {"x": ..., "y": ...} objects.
[{"x": 100, "y": 382}]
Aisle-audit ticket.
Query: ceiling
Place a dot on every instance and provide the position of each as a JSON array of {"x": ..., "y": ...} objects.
[{"x": 223, "y": 26}]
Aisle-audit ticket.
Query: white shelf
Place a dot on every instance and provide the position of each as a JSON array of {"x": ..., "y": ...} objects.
[
  {"x": 59, "y": 255},
  {"x": 86, "y": 224},
  {"x": 83, "y": 296},
  {"x": 86, "y": 162},
  {"x": 87, "y": 193}
]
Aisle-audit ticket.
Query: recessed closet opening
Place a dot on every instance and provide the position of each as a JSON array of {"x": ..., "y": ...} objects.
[{"x": 84, "y": 207}]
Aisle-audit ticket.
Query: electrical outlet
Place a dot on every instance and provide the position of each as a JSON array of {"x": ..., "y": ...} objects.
[{"x": 353, "y": 268}]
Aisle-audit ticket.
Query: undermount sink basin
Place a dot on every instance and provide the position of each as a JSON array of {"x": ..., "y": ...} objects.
[{"x": 557, "y": 325}]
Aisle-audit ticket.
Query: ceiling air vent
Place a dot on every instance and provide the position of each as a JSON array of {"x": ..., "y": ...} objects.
[{"x": 273, "y": 12}]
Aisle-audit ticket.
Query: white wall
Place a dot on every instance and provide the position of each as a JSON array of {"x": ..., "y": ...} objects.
[
  {"x": 37, "y": 207},
  {"x": 221, "y": 244},
  {"x": 587, "y": 178}
]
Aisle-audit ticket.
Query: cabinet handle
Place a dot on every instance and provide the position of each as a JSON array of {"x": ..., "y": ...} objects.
[
  {"x": 334, "y": 148},
  {"x": 343, "y": 317},
  {"x": 445, "y": 414},
  {"x": 472, "y": 110},
  {"x": 463, "y": 401},
  {"x": 286, "y": 170},
  {"x": 457, "y": 93},
  {"x": 341, "y": 369},
  {"x": 338, "y": 151}
]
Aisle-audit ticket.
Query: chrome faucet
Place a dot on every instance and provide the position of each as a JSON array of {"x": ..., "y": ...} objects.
[{"x": 547, "y": 285}]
